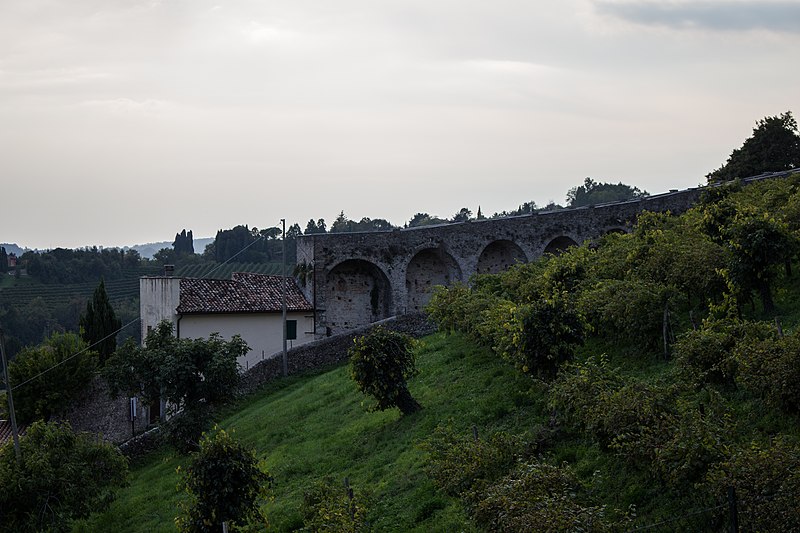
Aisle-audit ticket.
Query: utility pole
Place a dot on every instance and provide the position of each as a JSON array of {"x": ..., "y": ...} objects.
[
  {"x": 283, "y": 299},
  {"x": 14, "y": 431}
]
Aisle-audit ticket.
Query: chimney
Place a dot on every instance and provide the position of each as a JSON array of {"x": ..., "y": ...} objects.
[{"x": 169, "y": 270}]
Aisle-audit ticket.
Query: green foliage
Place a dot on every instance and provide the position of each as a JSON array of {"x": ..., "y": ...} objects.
[
  {"x": 464, "y": 465},
  {"x": 770, "y": 368},
  {"x": 759, "y": 244},
  {"x": 706, "y": 355},
  {"x": 652, "y": 427},
  {"x": 766, "y": 477},
  {"x": 593, "y": 192},
  {"x": 40, "y": 392},
  {"x": 381, "y": 362},
  {"x": 183, "y": 243},
  {"x": 99, "y": 325},
  {"x": 774, "y": 146},
  {"x": 185, "y": 429},
  {"x": 537, "y": 496},
  {"x": 458, "y": 308},
  {"x": 629, "y": 310},
  {"x": 63, "y": 476},
  {"x": 187, "y": 373},
  {"x": 252, "y": 245},
  {"x": 424, "y": 219},
  {"x": 225, "y": 483},
  {"x": 549, "y": 331},
  {"x": 344, "y": 225},
  {"x": 334, "y": 507}
]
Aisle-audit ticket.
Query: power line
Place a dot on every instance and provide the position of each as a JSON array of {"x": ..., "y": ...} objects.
[
  {"x": 73, "y": 356},
  {"x": 138, "y": 319}
]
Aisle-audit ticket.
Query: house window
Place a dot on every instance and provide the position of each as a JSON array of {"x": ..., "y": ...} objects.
[{"x": 291, "y": 330}]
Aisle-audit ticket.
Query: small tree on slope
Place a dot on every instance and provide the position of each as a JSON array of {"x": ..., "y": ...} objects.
[{"x": 380, "y": 364}]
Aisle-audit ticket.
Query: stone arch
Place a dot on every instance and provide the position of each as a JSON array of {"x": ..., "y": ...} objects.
[
  {"x": 500, "y": 255},
  {"x": 429, "y": 267},
  {"x": 620, "y": 231},
  {"x": 358, "y": 293},
  {"x": 558, "y": 245}
]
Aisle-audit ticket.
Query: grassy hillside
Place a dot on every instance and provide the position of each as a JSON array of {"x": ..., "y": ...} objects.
[{"x": 307, "y": 428}]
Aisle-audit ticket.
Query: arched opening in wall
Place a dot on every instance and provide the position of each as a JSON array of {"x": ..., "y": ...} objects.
[
  {"x": 616, "y": 231},
  {"x": 499, "y": 256},
  {"x": 558, "y": 245},
  {"x": 428, "y": 268},
  {"x": 358, "y": 293}
]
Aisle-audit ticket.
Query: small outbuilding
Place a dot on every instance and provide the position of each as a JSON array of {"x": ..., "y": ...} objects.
[{"x": 249, "y": 305}]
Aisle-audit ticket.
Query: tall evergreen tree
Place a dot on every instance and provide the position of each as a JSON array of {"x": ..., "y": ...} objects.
[
  {"x": 99, "y": 323},
  {"x": 3, "y": 260}
]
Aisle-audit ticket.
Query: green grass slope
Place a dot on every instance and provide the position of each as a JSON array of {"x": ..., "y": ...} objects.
[{"x": 310, "y": 427}]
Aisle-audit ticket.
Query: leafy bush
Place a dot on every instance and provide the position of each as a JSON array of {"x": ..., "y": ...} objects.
[
  {"x": 577, "y": 393},
  {"x": 461, "y": 465},
  {"x": 770, "y": 367},
  {"x": 538, "y": 497},
  {"x": 185, "y": 429},
  {"x": 650, "y": 426},
  {"x": 225, "y": 483},
  {"x": 547, "y": 335},
  {"x": 380, "y": 363},
  {"x": 62, "y": 476},
  {"x": 185, "y": 372},
  {"x": 40, "y": 392},
  {"x": 705, "y": 355},
  {"x": 459, "y": 308},
  {"x": 630, "y": 310},
  {"x": 766, "y": 478},
  {"x": 334, "y": 507}
]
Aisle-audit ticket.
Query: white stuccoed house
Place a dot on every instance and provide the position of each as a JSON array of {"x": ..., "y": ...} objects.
[{"x": 249, "y": 305}]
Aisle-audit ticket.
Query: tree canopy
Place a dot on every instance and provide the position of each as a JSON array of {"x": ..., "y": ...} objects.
[
  {"x": 62, "y": 476},
  {"x": 594, "y": 192},
  {"x": 99, "y": 324},
  {"x": 183, "y": 243},
  {"x": 773, "y": 146},
  {"x": 39, "y": 392},
  {"x": 185, "y": 372},
  {"x": 225, "y": 483}
]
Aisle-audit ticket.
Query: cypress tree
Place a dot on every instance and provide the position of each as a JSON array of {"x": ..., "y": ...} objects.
[{"x": 100, "y": 322}]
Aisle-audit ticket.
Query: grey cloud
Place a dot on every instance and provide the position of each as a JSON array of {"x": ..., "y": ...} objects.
[{"x": 720, "y": 16}]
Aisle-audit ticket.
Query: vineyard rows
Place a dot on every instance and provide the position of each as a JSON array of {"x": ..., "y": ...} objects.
[{"x": 122, "y": 289}]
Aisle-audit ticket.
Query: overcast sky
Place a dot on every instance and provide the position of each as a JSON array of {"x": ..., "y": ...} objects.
[{"x": 124, "y": 121}]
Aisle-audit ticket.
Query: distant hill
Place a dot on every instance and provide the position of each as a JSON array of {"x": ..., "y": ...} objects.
[
  {"x": 146, "y": 250},
  {"x": 149, "y": 249},
  {"x": 13, "y": 248}
]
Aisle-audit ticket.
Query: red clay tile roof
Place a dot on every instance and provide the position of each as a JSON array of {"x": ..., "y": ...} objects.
[
  {"x": 245, "y": 293},
  {"x": 6, "y": 433}
]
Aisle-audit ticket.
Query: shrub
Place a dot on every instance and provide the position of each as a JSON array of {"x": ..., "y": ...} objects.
[
  {"x": 461, "y": 464},
  {"x": 380, "y": 364},
  {"x": 62, "y": 476},
  {"x": 329, "y": 506},
  {"x": 577, "y": 392},
  {"x": 459, "y": 308},
  {"x": 538, "y": 497},
  {"x": 770, "y": 367},
  {"x": 706, "y": 355},
  {"x": 650, "y": 426},
  {"x": 225, "y": 483},
  {"x": 627, "y": 310},
  {"x": 766, "y": 477},
  {"x": 184, "y": 372},
  {"x": 185, "y": 429},
  {"x": 39, "y": 392},
  {"x": 546, "y": 335}
]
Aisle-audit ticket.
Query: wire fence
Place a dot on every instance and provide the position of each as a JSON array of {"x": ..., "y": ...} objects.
[{"x": 729, "y": 514}]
